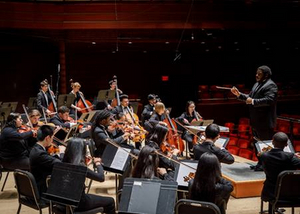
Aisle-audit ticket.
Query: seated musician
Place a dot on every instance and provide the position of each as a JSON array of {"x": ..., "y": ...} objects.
[
  {"x": 149, "y": 108},
  {"x": 208, "y": 184},
  {"x": 123, "y": 107},
  {"x": 157, "y": 117},
  {"x": 212, "y": 133},
  {"x": 158, "y": 141},
  {"x": 186, "y": 118},
  {"x": 99, "y": 132},
  {"x": 13, "y": 146},
  {"x": 75, "y": 91},
  {"x": 41, "y": 163},
  {"x": 274, "y": 162},
  {"x": 62, "y": 118},
  {"x": 44, "y": 98},
  {"x": 147, "y": 165},
  {"x": 34, "y": 116},
  {"x": 76, "y": 154}
]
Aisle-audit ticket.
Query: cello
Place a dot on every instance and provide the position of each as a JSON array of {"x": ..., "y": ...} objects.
[
  {"x": 173, "y": 137},
  {"x": 116, "y": 101},
  {"x": 85, "y": 105},
  {"x": 52, "y": 106}
]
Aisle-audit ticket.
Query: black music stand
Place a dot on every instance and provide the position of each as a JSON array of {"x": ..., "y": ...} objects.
[
  {"x": 222, "y": 142},
  {"x": 4, "y": 112},
  {"x": 32, "y": 103},
  {"x": 65, "y": 100},
  {"x": 260, "y": 145},
  {"x": 104, "y": 95},
  {"x": 148, "y": 196},
  {"x": 62, "y": 189},
  {"x": 12, "y": 105},
  {"x": 181, "y": 171}
]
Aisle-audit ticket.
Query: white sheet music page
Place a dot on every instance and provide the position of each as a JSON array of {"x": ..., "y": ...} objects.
[{"x": 120, "y": 158}]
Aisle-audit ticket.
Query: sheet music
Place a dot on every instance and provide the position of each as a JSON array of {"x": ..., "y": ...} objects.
[
  {"x": 220, "y": 142},
  {"x": 184, "y": 171},
  {"x": 269, "y": 143},
  {"x": 120, "y": 158}
]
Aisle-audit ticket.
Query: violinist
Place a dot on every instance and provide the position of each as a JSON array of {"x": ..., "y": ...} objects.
[
  {"x": 275, "y": 161},
  {"x": 62, "y": 118},
  {"x": 212, "y": 133},
  {"x": 186, "y": 118},
  {"x": 99, "y": 132},
  {"x": 41, "y": 163},
  {"x": 34, "y": 116},
  {"x": 147, "y": 165},
  {"x": 44, "y": 97},
  {"x": 14, "y": 151},
  {"x": 149, "y": 108},
  {"x": 77, "y": 94}
]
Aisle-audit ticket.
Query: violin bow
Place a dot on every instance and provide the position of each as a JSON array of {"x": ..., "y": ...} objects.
[{"x": 26, "y": 113}]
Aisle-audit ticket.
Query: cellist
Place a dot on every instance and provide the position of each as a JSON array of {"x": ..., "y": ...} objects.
[
  {"x": 186, "y": 118},
  {"x": 44, "y": 97}
]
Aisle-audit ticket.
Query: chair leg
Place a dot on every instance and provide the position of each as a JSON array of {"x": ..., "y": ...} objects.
[
  {"x": 4, "y": 181},
  {"x": 261, "y": 207},
  {"x": 89, "y": 187},
  {"x": 19, "y": 208},
  {"x": 293, "y": 210}
]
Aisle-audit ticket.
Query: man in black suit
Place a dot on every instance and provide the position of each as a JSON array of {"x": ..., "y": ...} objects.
[
  {"x": 276, "y": 161},
  {"x": 44, "y": 98},
  {"x": 149, "y": 108},
  {"x": 62, "y": 118},
  {"x": 123, "y": 107},
  {"x": 262, "y": 103},
  {"x": 212, "y": 133},
  {"x": 41, "y": 163}
]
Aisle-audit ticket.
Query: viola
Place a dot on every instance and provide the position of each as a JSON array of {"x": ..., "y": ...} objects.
[{"x": 173, "y": 137}]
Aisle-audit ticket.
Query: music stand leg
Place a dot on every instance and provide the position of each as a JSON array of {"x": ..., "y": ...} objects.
[{"x": 116, "y": 176}]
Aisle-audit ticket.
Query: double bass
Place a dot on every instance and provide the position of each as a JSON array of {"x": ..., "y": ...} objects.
[
  {"x": 173, "y": 137},
  {"x": 116, "y": 101},
  {"x": 85, "y": 105},
  {"x": 52, "y": 106}
]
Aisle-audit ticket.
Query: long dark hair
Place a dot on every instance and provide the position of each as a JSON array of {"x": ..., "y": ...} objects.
[
  {"x": 11, "y": 120},
  {"x": 102, "y": 115},
  {"x": 159, "y": 134},
  {"x": 188, "y": 105},
  {"x": 208, "y": 174},
  {"x": 75, "y": 152},
  {"x": 147, "y": 163}
]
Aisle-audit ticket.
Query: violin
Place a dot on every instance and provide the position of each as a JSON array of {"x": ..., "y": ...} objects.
[
  {"x": 53, "y": 150},
  {"x": 167, "y": 148},
  {"x": 189, "y": 177},
  {"x": 138, "y": 131}
]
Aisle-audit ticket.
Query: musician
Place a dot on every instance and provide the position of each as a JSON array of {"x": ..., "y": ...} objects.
[
  {"x": 76, "y": 154},
  {"x": 157, "y": 117},
  {"x": 123, "y": 107},
  {"x": 112, "y": 87},
  {"x": 99, "y": 132},
  {"x": 274, "y": 162},
  {"x": 41, "y": 163},
  {"x": 212, "y": 133},
  {"x": 14, "y": 151},
  {"x": 44, "y": 97},
  {"x": 77, "y": 94},
  {"x": 149, "y": 108},
  {"x": 62, "y": 118},
  {"x": 34, "y": 117},
  {"x": 147, "y": 165},
  {"x": 186, "y": 118},
  {"x": 208, "y": 184}
]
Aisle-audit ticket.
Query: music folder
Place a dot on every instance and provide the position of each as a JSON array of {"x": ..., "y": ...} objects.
[
  {"x": 182, "y": 171},
  {"x": 260, "y": 145},
  {"x": 148, "y": 196},
  {"x": 115, "y": 159}
]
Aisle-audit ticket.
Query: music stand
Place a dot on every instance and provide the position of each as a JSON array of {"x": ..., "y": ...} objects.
[
  {"x": 65, "y": 100},
  {"x": 148, "y": 196},
  {"x": 222, "y": 142},
  {"x": 260, "y": 145},
  {"x": 12, "y": 105},
  {"x": 62, "y": 189},
  {"x": 32, "y": 102},
  {"x": 181, "y": 171},
  {"x": 92, "y": 115},
  {"x": 135, "y": 106},
  {"x": 4, "y": 112},
  {"x": 106, "y": 95}
]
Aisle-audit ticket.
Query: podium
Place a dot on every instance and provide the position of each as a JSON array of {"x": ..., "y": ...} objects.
[{"x": 148, "y": 196}]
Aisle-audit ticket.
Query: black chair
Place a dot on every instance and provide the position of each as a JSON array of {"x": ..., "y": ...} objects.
[
  {"x": 186, "y": 206},
  {"x": 28, "y": 194},
  {"x": 2, "y": 169},
  {"x": 287, "y": 191}
]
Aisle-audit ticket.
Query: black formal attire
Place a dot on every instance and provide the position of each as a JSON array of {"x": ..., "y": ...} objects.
[
  {"x": 43, "y": 100},
  {"x": 77, "y": 98},
  {"x": 120, "y": 109},
  {"x": 90, "y": 201},
  {"x": 263, "y": 110},
  {"x": 99, "y": 135},
  {"x": 41, "y": 165},
  {"x": 152, "y": 123},
  {"x": 56, "y": 120},
  {"x": 274, "y": 162},
  {"x": 223, "y": 189},
  {"x": 147, "y": 112},
  {"x": 14, "y": 151},
  {"x": 187, "y": 136},
  {"x": 207, "y": 146}
]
